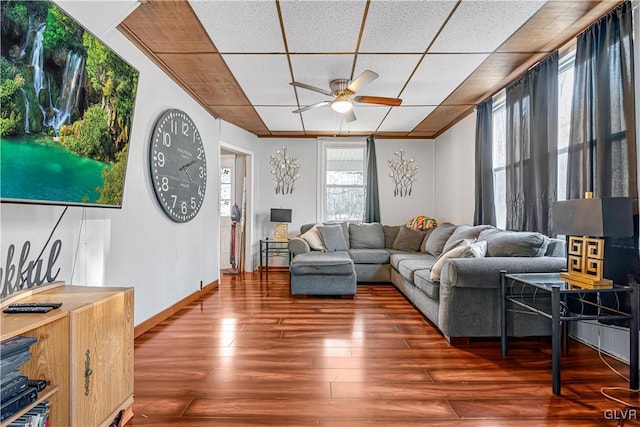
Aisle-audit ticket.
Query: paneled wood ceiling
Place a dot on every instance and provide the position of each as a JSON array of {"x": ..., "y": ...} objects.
[{"x": 237, "y": 58}]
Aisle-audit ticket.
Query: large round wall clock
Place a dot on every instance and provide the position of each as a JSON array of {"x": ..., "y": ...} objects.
[{"x": 178, "y": 165}]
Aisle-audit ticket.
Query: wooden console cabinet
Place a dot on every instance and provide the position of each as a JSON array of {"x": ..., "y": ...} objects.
[{"x": 84, "y": 349}]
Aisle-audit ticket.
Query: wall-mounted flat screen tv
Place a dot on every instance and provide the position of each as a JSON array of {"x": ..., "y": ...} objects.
[{"x": 67, "y": 109}]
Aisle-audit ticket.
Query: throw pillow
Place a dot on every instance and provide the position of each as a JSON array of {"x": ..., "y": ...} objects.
[
  {"x": 438, "y": 238},
  {"x": 423, "y": 245},
  {"x": 312, "y": 236},
  {"x": 408, "y": 240},
  {"x": 516, "y": 243},
  {"x": 474, "y": 250},
  {"x": 464, "y": 232},
  {"x": 332, "y": 237},
  {"x": 390, "y": 234},
  {"x": 345, "y": 231},
  {"x": 366, "y": 236}
]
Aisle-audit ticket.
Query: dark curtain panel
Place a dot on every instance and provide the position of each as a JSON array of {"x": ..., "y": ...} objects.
[
  {"x": 602, "y": 152},
  {"x": 372, "y": 200},
  {"x": 532, "y": 148},
  {"x": 485, "y": 212}
]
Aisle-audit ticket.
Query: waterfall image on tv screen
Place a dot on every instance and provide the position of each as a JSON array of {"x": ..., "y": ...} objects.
[{"x": 67, "y": 107}]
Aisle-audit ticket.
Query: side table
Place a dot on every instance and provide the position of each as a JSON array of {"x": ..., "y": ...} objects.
[
  {"x": 272, "y": 248},
  {"x": 546, "y": 294}
]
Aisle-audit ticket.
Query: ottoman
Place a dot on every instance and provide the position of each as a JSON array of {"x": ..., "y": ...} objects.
[{"x": 323, "y": 273}]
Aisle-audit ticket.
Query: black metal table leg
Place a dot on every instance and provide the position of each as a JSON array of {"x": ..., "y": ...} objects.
[
  {"x": 503, "y": 308},
  {"x": 556, "y": 339},
  {"x": 633, "y": 337}
]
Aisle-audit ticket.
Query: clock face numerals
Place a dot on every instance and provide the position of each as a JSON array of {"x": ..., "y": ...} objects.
[{"x": 178, "y": 165}]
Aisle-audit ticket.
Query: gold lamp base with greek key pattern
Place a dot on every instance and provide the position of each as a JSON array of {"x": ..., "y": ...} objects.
[
  {"x": 585, "y": 263},
  {"x": 280, "y": 232}
]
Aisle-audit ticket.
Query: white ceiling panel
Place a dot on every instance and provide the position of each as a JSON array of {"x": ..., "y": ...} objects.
[
  {"x": 222, "y": 19},
  {"x": 403, "y": 26},
  {"x": 280, "y": 118},
  {"x": 263, "y": 78},
  {"x": 322, "y": 26},
  {"x": 402, "y": 119},
  {"x": 437, "y": 76},
  {"x": 99, "y": 16},
  {"x": 319, "y": 70},
  {"x": 482, "y": 26},
  {"x": 394, "y": 71},
  {"x": 368, "y": 117}
]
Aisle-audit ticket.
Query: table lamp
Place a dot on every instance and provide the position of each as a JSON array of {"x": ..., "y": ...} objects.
[
  {"x": 280, "y": 218},
  {"x": 586, "y": 221}
]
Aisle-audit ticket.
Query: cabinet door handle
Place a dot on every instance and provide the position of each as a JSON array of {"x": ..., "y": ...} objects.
[{"x": 87, "y": 373}]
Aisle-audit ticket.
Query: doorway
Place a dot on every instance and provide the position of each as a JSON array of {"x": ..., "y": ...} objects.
[{"x": 235, "y": 189}]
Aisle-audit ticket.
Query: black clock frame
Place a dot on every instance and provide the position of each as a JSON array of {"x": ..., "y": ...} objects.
[{"x": 177, "y": 165}]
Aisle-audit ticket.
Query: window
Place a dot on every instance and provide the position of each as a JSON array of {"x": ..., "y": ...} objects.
[
  {"x": 500, "y": 159},
  {"x": 342, "y": 180},
  {"x": 565, "y": 94},
  {"x": 225, "y": 191}
]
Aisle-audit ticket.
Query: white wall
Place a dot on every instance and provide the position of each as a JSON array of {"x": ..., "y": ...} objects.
[
  {"x": 455, "y": 173},
  {"x": 303, "y": 200},
  {"x": 137, "y": 245},
  {"x": 399, "y": 210}
]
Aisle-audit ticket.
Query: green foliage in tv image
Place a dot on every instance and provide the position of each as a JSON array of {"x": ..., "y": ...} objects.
[{"x": 67, "y": 104}]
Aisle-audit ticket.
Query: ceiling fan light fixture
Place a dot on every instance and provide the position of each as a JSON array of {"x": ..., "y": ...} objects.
[{"x": 342, "y": 104}]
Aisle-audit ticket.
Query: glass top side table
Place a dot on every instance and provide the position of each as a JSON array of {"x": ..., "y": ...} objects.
[{"x": 546, "y": 294}]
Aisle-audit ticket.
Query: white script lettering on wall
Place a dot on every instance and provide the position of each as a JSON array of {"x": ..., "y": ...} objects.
[{"x": 23, "y": 273}]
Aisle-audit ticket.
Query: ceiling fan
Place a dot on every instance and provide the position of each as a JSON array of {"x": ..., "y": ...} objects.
[{"x": 342, "y": 91}]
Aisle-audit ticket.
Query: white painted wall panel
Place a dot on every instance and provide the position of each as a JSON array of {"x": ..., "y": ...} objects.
[{"x": 455, "y": 173}]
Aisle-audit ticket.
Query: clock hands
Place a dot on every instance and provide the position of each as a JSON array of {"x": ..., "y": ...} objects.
[
  {"x": 184, "y": 168},
  {"x": 187, "y": 165}
]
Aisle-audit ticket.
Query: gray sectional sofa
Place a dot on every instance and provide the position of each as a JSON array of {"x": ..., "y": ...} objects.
[{"x": 465, "y": 301}]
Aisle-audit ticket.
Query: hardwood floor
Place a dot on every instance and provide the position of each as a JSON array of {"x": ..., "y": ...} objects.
[{"x": 250, "y": 355}]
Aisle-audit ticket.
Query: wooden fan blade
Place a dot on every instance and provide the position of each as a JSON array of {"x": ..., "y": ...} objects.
[
  {"x": 313, "y": 88},
  {"x": 311, "y": 107},
  {"x": 349, "y": 116},
  {"x": 362, "y": 80},
  {"x": 379, "y": 100}
]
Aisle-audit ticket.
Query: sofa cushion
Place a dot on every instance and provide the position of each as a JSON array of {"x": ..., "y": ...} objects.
[
  {"x": 322, "y": 263},
  {"x": 473, "y": 250},
  {"x": 408, "y": 239},
  {"x": 463, "y": 232},
  {"x": 332, "y": 237},
  {"x": 312, "y": 236},
  {"x": 366, "y": 236},
  {"x": 515, "y": 244},
  {"x": 369, "y": 256},
  {"x": 390, "y": 234},
  {"x": 397, "y": 257},
  {"x": 428, "y": 233},
  {"x": 422, "y": 281},
  {"x": 438, "y": 238},
  {"x": 345, "y": 231},
  {"x": 408, "y": 267}
]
